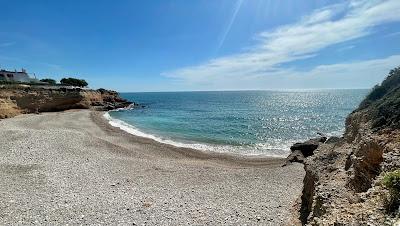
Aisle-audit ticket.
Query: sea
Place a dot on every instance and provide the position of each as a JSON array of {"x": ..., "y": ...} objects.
[{"x": 262, "y": 123}]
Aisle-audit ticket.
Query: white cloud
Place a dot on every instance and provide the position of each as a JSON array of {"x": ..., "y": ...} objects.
[
  {"x": 358, "y": 74},
  {"x": 324, "y": 27}
]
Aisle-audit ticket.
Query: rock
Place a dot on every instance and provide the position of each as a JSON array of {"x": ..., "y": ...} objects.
[
  {"x": 307, "y": 148},
  {"x": 295, "y": 156},
  {"x": 302, "y": 150},
  {"x": 343, "y": 182},
  {"x": 333, "y": 139},
  {"x": 321, "y": 139},
  {"x": 20, "y": 100}
]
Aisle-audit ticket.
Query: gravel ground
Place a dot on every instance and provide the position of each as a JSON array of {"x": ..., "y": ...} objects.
[{"x": 73, "y": 168}]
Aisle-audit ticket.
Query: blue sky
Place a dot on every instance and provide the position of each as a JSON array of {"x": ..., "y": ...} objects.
[{"x": 203, "y": 45}]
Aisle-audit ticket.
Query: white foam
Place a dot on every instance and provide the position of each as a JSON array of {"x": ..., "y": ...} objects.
[{"x": 259, "y": 150}]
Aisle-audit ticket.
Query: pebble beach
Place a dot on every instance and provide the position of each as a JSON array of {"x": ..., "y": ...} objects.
[{"x": 74, "y": 168}]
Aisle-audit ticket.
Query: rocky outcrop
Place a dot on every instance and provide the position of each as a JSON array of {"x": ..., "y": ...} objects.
[
  {"x": 106, "y": 100},
  {"x": 15, "y": 100},
  {"x": 308, "y": 147},
  {"x": 343, "y": 178},
  {"x": 302, "y": 150}
]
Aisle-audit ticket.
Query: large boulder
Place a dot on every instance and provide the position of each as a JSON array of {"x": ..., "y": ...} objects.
[
  {"x": 307, "y": 148},
  {"x": 295, "y": 156}
]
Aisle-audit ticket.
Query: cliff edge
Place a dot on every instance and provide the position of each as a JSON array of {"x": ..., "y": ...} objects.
[
  {"x": 344, "y": 177},
  {"x": 19, "y": 99}
]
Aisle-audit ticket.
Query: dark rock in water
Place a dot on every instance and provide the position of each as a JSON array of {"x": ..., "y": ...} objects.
[{"x": 307, "y": 148}]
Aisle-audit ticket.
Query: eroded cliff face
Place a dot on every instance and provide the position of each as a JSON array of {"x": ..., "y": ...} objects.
[
  {"x": 21, "y": 100},
  {"x": 342, "y": 185}
]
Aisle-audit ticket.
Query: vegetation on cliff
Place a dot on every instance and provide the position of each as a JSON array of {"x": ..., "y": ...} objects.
[
  {"x": 49, "y": 81},
  {"x": 383, "y": 103},
  {"x": 74, "y": 82},
  {"x": 392, "y": 182}
]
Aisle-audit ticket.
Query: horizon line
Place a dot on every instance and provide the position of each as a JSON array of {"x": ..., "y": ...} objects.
[{"x": 244, "y": 90}]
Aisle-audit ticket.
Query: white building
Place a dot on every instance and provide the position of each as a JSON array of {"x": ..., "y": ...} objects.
[{"x": 16, "y": 76}]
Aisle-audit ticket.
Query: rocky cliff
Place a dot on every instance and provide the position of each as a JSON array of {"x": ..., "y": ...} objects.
[
  {"x": 343, "y": 182},
  {"x": 15, "y": 100}
]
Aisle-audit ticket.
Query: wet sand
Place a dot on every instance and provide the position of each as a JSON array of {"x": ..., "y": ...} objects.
[{"x": 73, "y": 167}]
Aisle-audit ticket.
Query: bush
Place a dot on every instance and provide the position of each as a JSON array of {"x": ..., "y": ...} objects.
[
  {"x": 392, "y": 182},
  {"x": 5, "y": 82},
  {"x": 391, "y": 82},
  {"x": 382, "y": 104},
  {"x": 49, "y": 81},
  {"x": 102, "y": 91},
  {"x": 74, "y": 82}
]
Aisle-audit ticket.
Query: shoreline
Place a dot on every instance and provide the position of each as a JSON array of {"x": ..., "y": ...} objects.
[
  {"x": 253, "y": 160},
  {"x": 73, "y": 167},
  {"x": 202, "y": 147}
]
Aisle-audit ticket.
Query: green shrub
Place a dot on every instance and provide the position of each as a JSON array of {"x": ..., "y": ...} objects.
[
  {"x": 392, "y": 182},
  {"x": 391, "y": 82},
  {"x": 49, "y": 81},
  {"x": 382, "y": 104},
  {"x": 73, "y": 82},
  {"x": 5, "y": 82}
]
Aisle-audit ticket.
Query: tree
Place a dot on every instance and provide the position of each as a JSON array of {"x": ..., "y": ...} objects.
[
  {"x": 49, "y": 81},
  {"x": 74, "y": 82}
]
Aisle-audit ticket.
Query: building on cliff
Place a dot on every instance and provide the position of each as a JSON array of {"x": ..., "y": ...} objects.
[{"x": 15, "y": 76}]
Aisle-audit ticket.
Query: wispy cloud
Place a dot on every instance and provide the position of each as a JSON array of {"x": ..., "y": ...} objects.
[
  {"x": 354, "y": 74},
  {"x": 325, "y": 27}
]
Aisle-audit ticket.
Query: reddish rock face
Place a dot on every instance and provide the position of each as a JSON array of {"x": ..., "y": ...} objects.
[{"x": 19, "y": 100}]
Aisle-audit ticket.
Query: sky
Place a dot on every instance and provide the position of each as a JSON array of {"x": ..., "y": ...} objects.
[{"x": 181, "y": 45}]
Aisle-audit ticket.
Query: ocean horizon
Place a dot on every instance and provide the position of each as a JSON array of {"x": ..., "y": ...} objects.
[{"x": 253, "y": 122}]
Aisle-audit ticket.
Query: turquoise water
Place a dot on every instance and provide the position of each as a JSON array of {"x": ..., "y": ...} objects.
[{"x": 244, "y": 122}]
